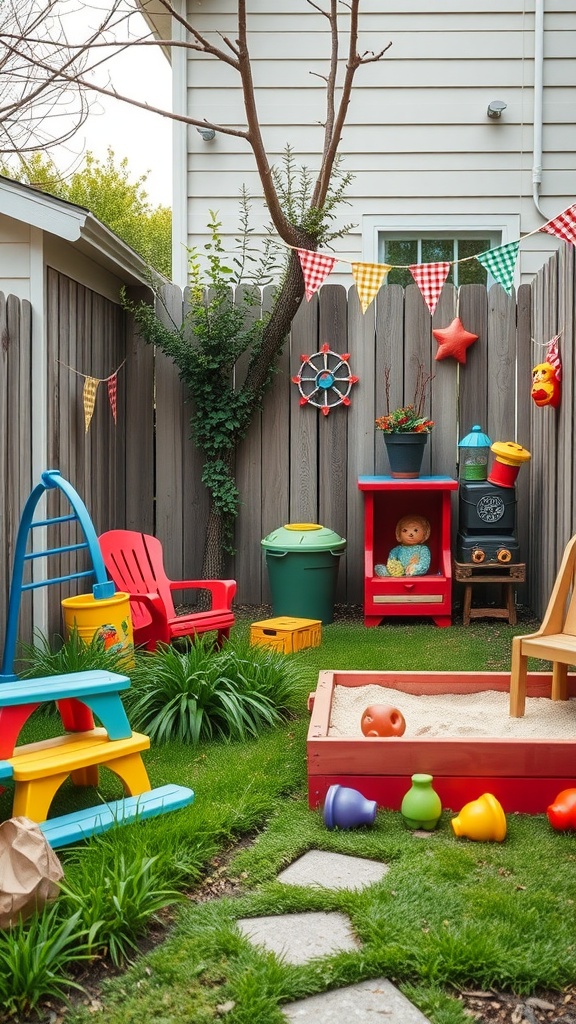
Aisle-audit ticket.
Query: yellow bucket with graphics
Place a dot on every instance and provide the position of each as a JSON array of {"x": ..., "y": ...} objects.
[{"x": 109, "y": 619}]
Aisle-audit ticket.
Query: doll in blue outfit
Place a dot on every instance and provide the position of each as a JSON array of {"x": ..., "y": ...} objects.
[{"x": 411, "y": 557}]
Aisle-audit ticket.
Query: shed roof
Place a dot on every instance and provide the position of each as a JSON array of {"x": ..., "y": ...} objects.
[{"x": 74, "y": 224}]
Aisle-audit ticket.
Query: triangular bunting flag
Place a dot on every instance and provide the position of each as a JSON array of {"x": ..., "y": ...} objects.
[
  {"x": 501, "y": 262},
  {"x": 315, "y": 268},
  {"x": 430, "y": 278},
  {"x": 112, "y": 386},
  {"x": 89, "y": 399},
  {"x": 368, "y": 278},
  {"x": 563, "y": 226}
]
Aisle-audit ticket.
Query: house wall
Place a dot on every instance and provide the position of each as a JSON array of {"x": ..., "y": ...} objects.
[
  {"x": 15, "y": 257},
  {"x": 417, "y": 135}
]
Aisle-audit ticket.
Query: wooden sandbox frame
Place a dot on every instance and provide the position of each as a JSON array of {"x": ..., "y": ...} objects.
[{"x": 525, "y": 775}]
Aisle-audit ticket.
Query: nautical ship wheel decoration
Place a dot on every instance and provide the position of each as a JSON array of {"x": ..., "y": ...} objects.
[{"x": 324, "y": 379}]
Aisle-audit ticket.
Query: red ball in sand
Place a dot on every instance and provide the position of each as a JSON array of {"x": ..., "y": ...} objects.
[{"x": 382, "y": 720}]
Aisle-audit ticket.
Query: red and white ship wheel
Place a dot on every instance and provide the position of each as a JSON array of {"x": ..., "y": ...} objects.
[{"x": 324, "y": 379}]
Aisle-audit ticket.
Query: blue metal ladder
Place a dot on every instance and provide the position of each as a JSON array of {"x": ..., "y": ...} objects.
[{"x": 102, "y": 587}]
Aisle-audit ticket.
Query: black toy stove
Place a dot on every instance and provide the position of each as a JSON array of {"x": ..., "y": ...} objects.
[{"x": 487, "y": 523}]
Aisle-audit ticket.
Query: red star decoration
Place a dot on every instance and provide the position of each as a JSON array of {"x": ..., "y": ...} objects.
[{"x": 454, "y": 340}]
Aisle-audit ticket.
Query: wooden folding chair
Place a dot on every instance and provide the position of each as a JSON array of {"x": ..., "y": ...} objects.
[{"x": 555, "y": 641}]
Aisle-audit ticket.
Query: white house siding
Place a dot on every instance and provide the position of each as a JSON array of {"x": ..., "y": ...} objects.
[
  {"x": 15, "y": 269},
  {"x": 417, "y": 136}
]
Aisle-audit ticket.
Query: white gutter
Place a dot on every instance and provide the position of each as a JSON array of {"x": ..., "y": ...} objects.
[
  {"x": 179, "y": 157},
  {"x": 538, "y": 95}
]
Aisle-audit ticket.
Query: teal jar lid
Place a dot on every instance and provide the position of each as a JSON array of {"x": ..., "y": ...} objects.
[
  {"x": 475, "y": 439},
  {"x": 303, "y": 537}
]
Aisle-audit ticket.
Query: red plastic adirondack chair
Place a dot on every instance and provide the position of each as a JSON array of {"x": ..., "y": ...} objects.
[{"x": 134, "y": 562}]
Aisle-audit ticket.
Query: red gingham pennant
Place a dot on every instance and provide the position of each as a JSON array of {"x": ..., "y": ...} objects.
[
  {"x": 315, "y": 268},
  {"x": 112, "y": 382},
  {"x": 430, "y": 279},
  {"x": 563, "y": 226},
  {"x": 553, "y": 356}
]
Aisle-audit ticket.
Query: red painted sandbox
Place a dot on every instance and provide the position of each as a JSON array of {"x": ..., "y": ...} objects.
[{"x": 525, "y": 775}]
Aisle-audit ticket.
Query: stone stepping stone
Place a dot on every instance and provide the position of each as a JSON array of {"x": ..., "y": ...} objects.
[
  {"x": 298, "y": 938},
  {"x": 377, "y": 1000},
  {"x": 333, "y": 871}
]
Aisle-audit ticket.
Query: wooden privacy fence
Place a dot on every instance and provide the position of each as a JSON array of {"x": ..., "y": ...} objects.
[
  {"x": 296, "y": 464},
  {"x": 301, "y": 466}
]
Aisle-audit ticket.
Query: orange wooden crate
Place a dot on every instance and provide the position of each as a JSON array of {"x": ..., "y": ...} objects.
[
  {"x": 523, "y": 774},
  {"x": 287, "y": 634}
]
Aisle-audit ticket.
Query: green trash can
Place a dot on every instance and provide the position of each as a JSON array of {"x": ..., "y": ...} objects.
[{"x": 302, "y": 561}]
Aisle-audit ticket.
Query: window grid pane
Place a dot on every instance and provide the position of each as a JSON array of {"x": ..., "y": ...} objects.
[{"x": 406, "y": 251}]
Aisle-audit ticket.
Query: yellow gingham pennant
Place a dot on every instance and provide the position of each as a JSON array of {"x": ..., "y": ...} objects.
[
  {"x": 368, "y": 277},
  {"x": 89, "y": 399}
]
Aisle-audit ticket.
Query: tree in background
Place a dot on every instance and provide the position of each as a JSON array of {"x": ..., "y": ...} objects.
[{"x": 107, "y": 190}]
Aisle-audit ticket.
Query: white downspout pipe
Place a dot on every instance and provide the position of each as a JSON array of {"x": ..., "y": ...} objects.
[
  {"x": 179, "y": 156},
  {"x": 538, "y": 96}
]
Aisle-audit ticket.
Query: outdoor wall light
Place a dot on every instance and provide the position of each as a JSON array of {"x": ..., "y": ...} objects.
[
  {"x": 208, "y": 133},
  {"x": 495, "y": 108}
]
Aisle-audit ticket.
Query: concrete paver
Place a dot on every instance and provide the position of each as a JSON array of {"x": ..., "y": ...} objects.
[
  {"x": 298, "y": 938},
  {"x": 377, "y": 1000},
  {"x": 333, "y": 871}
]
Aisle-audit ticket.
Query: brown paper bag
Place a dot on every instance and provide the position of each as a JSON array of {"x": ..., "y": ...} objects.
[{"x": 29, "y": 870}]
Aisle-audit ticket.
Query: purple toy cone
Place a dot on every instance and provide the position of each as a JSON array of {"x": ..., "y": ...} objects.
[{"x": 347, "y": 808}]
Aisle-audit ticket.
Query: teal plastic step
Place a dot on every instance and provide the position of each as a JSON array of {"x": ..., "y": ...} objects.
[
  {"x": 72, "y": 828},
  {"x": 72, "y": 684}
]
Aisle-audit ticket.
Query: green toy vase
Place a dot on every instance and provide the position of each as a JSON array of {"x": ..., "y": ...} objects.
[{"x": 421, "y": 806}]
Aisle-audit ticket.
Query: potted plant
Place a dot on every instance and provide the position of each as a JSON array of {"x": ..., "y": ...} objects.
[{"x": 406, "y": 428}]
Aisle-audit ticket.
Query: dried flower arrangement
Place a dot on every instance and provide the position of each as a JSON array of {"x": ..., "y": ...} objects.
[{"x": 407, "y": 418}]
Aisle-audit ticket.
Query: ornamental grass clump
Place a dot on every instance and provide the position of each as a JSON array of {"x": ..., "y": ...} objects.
[
  {"x": 37, "y": 957},
  {"x": 71, "y": 655},
  {"x": 407, "y": 418},
  {"x": 125, "y": 895},
  {"x": 204, "y": 693}
]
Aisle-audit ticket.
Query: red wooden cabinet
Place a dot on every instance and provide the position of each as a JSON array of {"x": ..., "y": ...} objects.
[{"x": 386, "y": 500}]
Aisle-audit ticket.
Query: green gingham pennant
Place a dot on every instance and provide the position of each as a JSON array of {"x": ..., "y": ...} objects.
[{"x": 501, "y": 263}]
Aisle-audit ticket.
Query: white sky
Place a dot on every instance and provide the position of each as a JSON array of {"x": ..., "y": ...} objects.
[{"x": 144, "y": 138}]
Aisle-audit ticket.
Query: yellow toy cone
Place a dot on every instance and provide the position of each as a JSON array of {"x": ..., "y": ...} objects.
[{"x": 482, "y": 819}]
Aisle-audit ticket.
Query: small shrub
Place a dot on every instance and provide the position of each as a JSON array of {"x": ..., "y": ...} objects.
[
  {"x": 35, "y": 956},
  {"x": 116, "y": 899},
  {"x": 202, "y": 693}
]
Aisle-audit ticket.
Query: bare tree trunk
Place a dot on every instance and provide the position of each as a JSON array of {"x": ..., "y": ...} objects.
[
  {"x": 213, "y": 564},
  {"x": 286, "y": 305},
  {"x": 257, "y": 381}
]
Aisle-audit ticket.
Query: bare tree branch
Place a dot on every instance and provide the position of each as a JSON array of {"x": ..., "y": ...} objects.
[{"x": 45, "y": 69}]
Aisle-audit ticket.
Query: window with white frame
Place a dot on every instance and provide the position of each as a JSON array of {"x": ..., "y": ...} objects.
[
  {"x": 404, "y": 240},
  {"x": 407, "y": 249}
]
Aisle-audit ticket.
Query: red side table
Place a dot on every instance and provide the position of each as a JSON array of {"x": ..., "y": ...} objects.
[{"x": 386, "y": 500}]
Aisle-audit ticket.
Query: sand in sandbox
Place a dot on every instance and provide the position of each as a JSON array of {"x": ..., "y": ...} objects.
[{"x": 455, "y": 714}]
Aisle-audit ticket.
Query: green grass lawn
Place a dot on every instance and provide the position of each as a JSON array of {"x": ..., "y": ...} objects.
[{"x": 450, "y": 914}]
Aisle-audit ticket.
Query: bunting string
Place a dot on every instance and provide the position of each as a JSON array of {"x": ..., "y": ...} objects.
[
  {"x": 430, "y": 277},
  {"x": 90, "y": 389}
]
